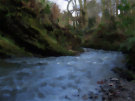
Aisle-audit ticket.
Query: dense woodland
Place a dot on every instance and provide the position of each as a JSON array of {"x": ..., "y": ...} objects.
[{"x": 40, "y": 28}]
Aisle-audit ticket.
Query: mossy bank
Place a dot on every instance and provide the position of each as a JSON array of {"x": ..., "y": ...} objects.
[{"x": 25, "y": 31}]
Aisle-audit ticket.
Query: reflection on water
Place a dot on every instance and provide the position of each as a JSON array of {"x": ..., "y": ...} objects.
[{"x": 66, "y": 78}]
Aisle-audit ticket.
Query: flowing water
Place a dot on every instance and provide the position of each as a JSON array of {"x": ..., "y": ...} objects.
[{"x": 65, "y": 78}]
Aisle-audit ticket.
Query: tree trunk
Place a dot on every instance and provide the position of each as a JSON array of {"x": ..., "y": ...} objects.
[
  {"x": 68, "y": 9},
  {"x": 117, "y": 3},
  {"x": 81, "y": 13},
  {"x": 85, "y": 14},
  {"x": 103, "y": 8},
  {"x": 110, "y": 7}
]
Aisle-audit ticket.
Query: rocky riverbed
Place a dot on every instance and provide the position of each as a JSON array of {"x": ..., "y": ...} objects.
[{"x": 115, "y": 89}]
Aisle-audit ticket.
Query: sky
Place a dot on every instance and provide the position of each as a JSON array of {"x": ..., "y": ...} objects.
[{"x": 61, "y": 3}]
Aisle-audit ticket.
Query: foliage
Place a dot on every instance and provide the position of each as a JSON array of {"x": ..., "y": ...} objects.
[
  {"x": 116, "y": 32},
  {"x": 47, "y": 9},
  {"x": 55, "y": 13},
  {"x": 124, "y": 6},
  {"x": 30, "y": 26},
  {"x": 128, "y": 44},
  {"x": 91, "y": 22}
]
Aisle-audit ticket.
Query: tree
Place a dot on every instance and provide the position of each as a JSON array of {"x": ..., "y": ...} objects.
[
  {"x": 80, "y": 12},
  {"x": 55, "y": 12},
  {"x": 74, "y": 11},
  {"x": 117, "y": 3},
  {"x": 83, "y": 13}
]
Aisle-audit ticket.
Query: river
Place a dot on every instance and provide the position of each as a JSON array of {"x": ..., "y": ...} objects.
[{"x": 65, "y": 78}]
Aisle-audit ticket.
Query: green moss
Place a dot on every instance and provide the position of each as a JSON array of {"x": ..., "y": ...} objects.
[
  {"x": 8, "y": 47},
  {"x": 51, "y": 41}
]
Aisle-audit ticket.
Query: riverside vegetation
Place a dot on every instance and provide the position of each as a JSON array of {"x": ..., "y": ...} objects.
[
  {"x": 26, "y": 29},
  {"x": 116, "y": 32}
]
